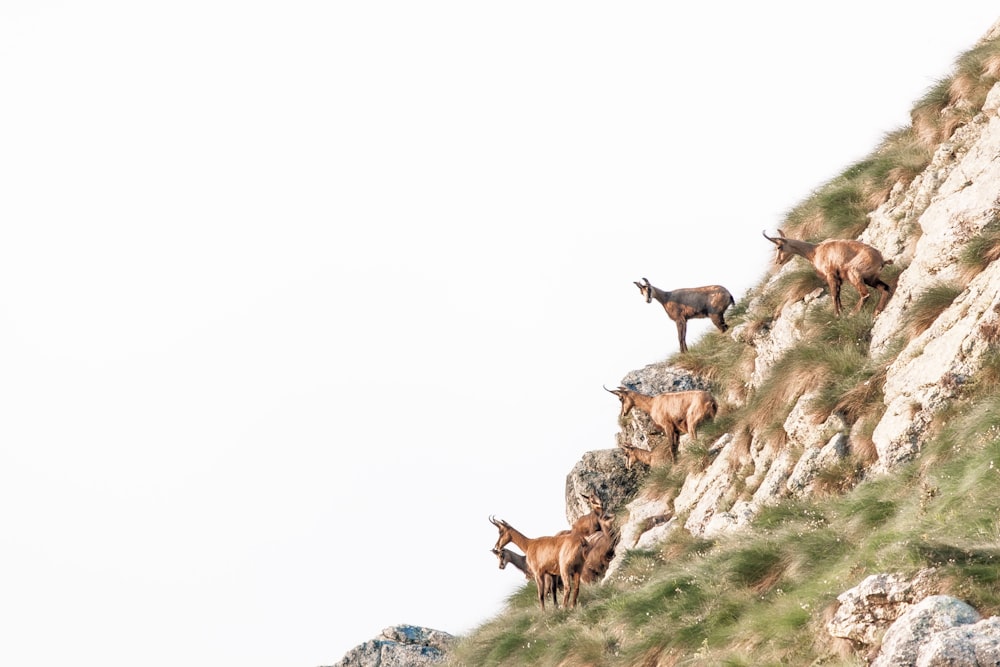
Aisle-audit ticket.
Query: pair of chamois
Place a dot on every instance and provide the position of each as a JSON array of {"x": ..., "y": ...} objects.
[
  {"x": 564, "y": 559},
  {"x": 835, "y": 260}
]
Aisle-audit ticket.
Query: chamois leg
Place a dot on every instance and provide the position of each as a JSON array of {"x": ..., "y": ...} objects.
[
  {"x": 682, "y": 333},
  {"x": 572, "y": 584},
  {"x": 691, "y": 427},
  {"x": 833, "y": 284},
  {"x": 719, "y": 321},
  {"x": 576, "y": 587},
  {"x": 672, "y": 444},
  {"x": 540, "y": 585},
  {"x": 552, "y": 586},
  {"x": 885, "y": 290},
  {"x": 863, "y": 293}
]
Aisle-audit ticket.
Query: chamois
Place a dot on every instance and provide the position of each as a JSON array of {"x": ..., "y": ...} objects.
[
  {"x": 651, "y": 457},
  {"x": 589, "y": 523},
  {"x": 552, "y": 583},
  {"x": 837, "y": 260},
  {"x": 688, "y": 303},
  {"x": 674, "y": 412},
  {"x": 600, "y": 549},
  {"x": 560, "y": 555}
]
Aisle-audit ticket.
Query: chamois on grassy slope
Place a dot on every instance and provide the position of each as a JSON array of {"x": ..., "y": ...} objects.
[
  {"x": 836, "y": 261},
  {"x": 674, "y": 412},
  {"x": 600, "y": 549},
  {"x": 688, "y": 303},
  {"x": 561, "y": 555},
  {"x": 552, "y": 583}
]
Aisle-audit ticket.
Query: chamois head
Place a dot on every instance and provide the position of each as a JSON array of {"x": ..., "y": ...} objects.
[
  {"x": 645, "y": 288},
  {"x": 781, "y": 253},
  {"x": 505, "y": 537},
  {"x": 501, "y": 555},
  {"x": 593, "y": 502},
  {"x": 625, "y": 396}
]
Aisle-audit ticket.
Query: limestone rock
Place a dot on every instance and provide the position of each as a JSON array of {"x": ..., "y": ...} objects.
[
  {"x": 913, "y": 631},
  {"x": 866, "y": 610},
  {"x": 977, "y": 644},
  {"x": 602, "y": 472},
  {"x": 660, "y": 377},
  {"x": 813, "y": 460},
  {"x": 933, "y": 365},
  {"x": 400, "y": 646}
]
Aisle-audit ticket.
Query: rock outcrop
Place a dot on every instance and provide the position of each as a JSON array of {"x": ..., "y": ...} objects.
[
  {"x": 923, "y": 227},
  {"x": 400, "y": 646}
]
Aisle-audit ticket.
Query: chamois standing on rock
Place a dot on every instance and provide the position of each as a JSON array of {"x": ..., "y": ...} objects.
[
  {"x": 650, "y": 457},
  {"x": 674, "y": 412},
  {"x": 561, "y": 555},
  {"x": 688, "y": 303},
  {"x": 836, "y": 261}
]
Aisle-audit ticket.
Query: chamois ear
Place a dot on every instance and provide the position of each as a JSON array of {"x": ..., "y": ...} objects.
[
  {"x": 781, "y": 232},
  {"x": 495, "y": 551}
]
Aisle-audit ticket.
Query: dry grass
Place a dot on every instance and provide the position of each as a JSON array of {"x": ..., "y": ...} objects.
[
  {"x": 927, "y": 116},
  {"x": 928, "y": 307},
  {"x": 980, "y": 252}
]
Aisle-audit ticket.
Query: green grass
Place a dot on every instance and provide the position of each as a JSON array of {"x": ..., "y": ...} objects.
[
  {"x": 759, "y": 597},
  {"x": 761, "y": 591}
]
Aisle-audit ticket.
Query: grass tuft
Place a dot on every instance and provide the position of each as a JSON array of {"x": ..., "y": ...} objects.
[
  {"x": 928, "y": 306},
  {"x": 980, "y": 252}
]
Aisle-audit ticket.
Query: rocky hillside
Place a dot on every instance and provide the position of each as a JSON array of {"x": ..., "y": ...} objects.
[{"x": 841, "y": 507}]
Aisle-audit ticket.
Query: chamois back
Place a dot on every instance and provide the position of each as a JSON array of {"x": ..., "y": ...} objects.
[
  {"x": 673, "y": 412},
  {"x": 688, "y": 303},
  {"x": 837, "y": 261}
]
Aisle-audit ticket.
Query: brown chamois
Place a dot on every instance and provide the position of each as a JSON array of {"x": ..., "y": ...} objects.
[
  {"x": 656, "y": 456},
  {"x": 589, "y": 523},
  {"x": 600, "y": 550},
  {"x": 560, "y": 555},
  {"x": 836, "y": 261},
  {"x": 553, "y": 584},
  {"x": 688, "y": 303},
  {"x": 674, "y": 412}
]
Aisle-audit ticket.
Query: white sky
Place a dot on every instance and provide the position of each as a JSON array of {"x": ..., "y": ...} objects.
[{"x": 294, "y": 295}]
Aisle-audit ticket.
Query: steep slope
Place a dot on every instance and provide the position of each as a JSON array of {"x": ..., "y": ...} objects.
[{"x": 845, "y": 446}]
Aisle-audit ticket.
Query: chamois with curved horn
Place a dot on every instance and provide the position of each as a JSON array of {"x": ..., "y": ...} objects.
[
  {"x": 689, "y": 303},
  {"x": 560, "y": 555},
  {"x": 675, "y": 412},
  {"x": 836, "y": 261}
]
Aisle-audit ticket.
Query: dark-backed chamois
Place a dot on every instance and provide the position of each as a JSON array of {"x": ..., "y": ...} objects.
[
  {"x": 689, "y": 303},
  {"x": 837, "y": 261}
]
